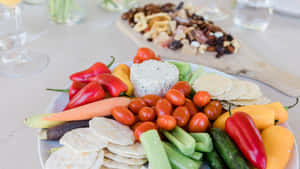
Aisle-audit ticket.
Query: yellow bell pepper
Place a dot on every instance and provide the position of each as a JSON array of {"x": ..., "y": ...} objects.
[
  {"x": 122, "y": 71},
  {"x": 278, "y": 142},
  {"x": 262, "y": 116}
]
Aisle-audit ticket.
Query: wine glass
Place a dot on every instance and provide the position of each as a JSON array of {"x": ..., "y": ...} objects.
[
  {"x": 15, "y": 60},
  {"x": 215, "y": 9}
]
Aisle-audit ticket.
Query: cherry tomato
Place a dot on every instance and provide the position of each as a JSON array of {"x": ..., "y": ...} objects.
[
  {"x": 183, "y": 86},
  {"x": 145, "y": 126},
  {"x": 136, "y": 105},
  {"x": 144, "y": 54},
  {"x": 147, "y": 114},
  {"x": 166, "y": 122},
  {"x": 175, "y": 97},
  {"x": 191, "y": 106},
  {"x": 213, "y": 110},
  {"x": 123, "y": 115},
  {"x": 133, "y": 127},
  {"x": 201, "y": 98},
  {"x": 182, "y": 115},
  {"x": 163, "y": 107},
  {"x": 198, "y": 123},
  {"x": 151, "y": 99}
]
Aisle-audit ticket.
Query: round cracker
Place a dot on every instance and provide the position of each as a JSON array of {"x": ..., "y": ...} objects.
[
  {"x": 117, "y": 165},
  {"x": 253, "y": 91},
  {"x": 83, "y": 140},
  {"x": 134, "y": 149},
  {"x": 214, "y": 84},
  {"x": 66, "y": 158},
  {"x": 129, "y": 161},
  {"x": 99, "y": 160},
  {"x": 238, "y": 89},
  {"x": 260, "y": 100},
  {"x": 112, "y": 131}
]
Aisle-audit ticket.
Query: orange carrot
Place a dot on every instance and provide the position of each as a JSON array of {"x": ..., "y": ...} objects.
[{"x": 96, "y": 109}]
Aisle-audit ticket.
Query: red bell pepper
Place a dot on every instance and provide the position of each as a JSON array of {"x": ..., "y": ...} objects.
[
  {"x": 90, "y": 93},
  {"x": 241, "y": 128},
  {"x": 92, "y": 71},
  {"x": 74, "y": 88},
  {"x": 113, "y": 85},
  {"x": 144, "y": 54}
]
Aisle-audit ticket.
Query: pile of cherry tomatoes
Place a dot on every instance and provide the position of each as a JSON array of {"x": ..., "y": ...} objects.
[{"x": 175, "y": 108}]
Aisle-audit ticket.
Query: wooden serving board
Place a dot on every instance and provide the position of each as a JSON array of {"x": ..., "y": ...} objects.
[{"x": 245, "y": 63}]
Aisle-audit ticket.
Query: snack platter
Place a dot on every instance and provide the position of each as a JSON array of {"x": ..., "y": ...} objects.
[{"x": 88, "y": 137}]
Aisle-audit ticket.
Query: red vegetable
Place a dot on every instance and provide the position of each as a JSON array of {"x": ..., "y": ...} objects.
[
  {"x": 143, "y": 127},
  {"x": 88, "y": 94},
  {"x": 75, "y": 88},
  {"x": 201, "y": 98},
  {"x": 123, "y": 115},
  {"x": 113, "y": 85},
  {"x": 175, "y": 97},
  {"x": 166, "y": 122},
  {"x": 241, "y": 128},
  {"x": 144, "y": 54},
  {"x": 92, "y": 71},
  {"x": 183, "y": 86},
  {"x": 198, "y": 123}
]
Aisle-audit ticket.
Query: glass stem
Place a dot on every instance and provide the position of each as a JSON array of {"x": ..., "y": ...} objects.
[{"x": 17, "y": 53}]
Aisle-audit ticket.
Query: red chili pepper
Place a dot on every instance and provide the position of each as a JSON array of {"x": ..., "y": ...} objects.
[
  {"x": 92, "y": 71},
  {"x": 144, "y": 54},
  {"x": 74, "y": 88},
  {"x": 241, "y": 128},
  {"x": 88, "y": 94},
  {"x": 113, "y": 85}
]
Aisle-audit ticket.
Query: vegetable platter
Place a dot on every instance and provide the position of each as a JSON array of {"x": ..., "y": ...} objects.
[{"x": 191, "y": 122}]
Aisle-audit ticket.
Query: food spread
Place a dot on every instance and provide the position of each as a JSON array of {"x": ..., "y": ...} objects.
[
  {"x": 159, "y": 114},
  {"x": 180, "y": 27}
]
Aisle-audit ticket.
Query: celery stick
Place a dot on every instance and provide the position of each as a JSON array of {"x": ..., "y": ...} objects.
[
  {"x": 203, "y": 142},
  {"x": 196, "y": 156},
  {"x": 182, "y": 140},
  {"x": 155, "y": 151},
  {"x": 178, "y": 160}
]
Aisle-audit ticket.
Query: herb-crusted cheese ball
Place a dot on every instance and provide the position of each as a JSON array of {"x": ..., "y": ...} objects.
[{"x": 153, "y": 77}]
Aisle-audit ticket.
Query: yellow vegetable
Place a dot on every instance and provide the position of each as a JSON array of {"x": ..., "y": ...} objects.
[
  {"x": 262, "y": 116},
  {"x": 122, "y": 71},
  {"x": 278, "y": 142},
  {"x": 280, "y": 112}
]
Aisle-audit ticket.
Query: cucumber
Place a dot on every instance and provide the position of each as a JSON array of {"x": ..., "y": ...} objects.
[
  {"x": 214, "y": 160},
  {"x": 182, "y": 140},
  {"x": 203, "y": 142},
  {"x": 36, "y": 121},
  {"x": 55, "y": 133},
  {"x": 228, "y": 150},
  {"x": 155, "y": 151},
  {"x": 178, "y": 160},
  {"x": 184, "y": 70}
]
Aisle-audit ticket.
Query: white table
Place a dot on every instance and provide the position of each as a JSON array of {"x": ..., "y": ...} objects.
[{"x": 74, "y": 48}]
